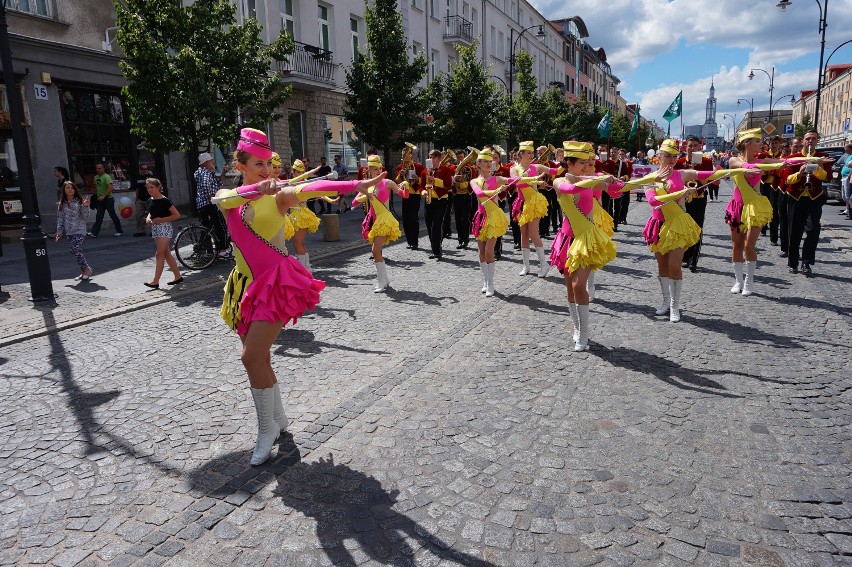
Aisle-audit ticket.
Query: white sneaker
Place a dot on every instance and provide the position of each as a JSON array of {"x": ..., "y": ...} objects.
[{"x": 118, "y": 234}]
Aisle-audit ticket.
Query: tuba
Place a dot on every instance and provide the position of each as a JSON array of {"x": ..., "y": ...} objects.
[{"x": 407, "y": 163}]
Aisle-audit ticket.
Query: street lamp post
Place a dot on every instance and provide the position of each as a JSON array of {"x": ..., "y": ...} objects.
[
  {"x": 33, "y": 239},
  {"x": 823, "y": 17},
  {"x": 733, "y": 129},
  {"x": 513, "y": 43},
  {"x": 771, "y": 86},
  {"x": 751, "y": 108}
]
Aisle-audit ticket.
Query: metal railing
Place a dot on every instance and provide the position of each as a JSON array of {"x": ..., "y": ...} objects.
[
  {"x": 457, "y": 27},
  {"x": 310, "y": 62}
]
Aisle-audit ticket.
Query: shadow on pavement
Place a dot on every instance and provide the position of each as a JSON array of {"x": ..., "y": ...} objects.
[
  {"x": 86, "y": 286},
  {"x": 345, "y": 505},
  {"x": 305, "y": 345},
  {"x": 417, "y": 297},
  {"x": 808, "y": 303},
  {"x": 665, "y": 370},
  {"x": 538, "y": 305}
]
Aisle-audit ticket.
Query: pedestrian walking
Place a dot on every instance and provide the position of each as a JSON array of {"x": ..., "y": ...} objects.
[
  {"x": 105, "y": 202},
  {"x": 71, "y": 222},
  {"x": 161, "y": 214}
]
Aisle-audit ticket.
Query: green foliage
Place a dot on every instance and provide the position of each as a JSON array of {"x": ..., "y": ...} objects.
[
  {"x": 802, "y": 127},
  {"x": 384, "y": 102},
  {"x": 192, "y": 69},
  {"x": 467, "y": 106},
  {"x": 528, "y": 113}
]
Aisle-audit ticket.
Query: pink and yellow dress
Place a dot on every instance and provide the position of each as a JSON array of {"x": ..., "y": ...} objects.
[
  {"x": 489, "y": 221},
  {"x": 602, "y": 219},
  {"x": 530, "y": 204},
  {"x": 580, "y": 243},
  {"x": 379, "y": 220},
  {"x": 748, "y": 208},
  {"x": 669, "y": 227}
]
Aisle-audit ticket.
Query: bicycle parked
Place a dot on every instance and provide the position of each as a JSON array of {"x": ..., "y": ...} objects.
[{"x": 195, "y": 247}]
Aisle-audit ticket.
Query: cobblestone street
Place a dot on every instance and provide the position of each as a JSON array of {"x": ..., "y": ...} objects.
[{"x": 434, "y": 426}]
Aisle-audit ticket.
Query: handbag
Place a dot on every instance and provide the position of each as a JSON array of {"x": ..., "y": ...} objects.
[{"x": 93, "y": 201}]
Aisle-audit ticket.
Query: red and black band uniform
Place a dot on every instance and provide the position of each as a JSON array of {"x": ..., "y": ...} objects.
[
  {"x": 696, "y": 207},
  {"x": 805, "y": 198},
  {"x": 769, "y": 188},
  {"x": 442, "y": 184},
  {"x": 462, "y": 204},
  {"x": 550, "y": 224},
  {"x": 504, "y": 199},
  {"x": 621, "y": 204},
  {"x": 410, "y": 172},
  {"x": 606, "y": 167}
]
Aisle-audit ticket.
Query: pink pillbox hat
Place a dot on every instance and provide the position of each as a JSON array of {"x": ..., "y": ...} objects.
[{"x": 255, "y": 143}]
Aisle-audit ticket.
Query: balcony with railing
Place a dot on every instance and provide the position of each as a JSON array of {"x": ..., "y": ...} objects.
[
  {"x": 309, "y": 67},
  {"x": 458, "y": 30}
]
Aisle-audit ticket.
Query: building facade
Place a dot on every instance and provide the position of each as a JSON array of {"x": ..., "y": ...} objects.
[{"x": 835, "y": 106}]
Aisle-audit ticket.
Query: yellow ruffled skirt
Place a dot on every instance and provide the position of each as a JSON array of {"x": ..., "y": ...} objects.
[
  {"x": 592, "y": 249},
  {"x": 303, "y": 217},
  {"x": 678, "y": 232},
  {"x": 535, "y": 207},
  {"x": 495, "y": 225},
  {"x": 385, "y": 225},
  {"x": 756, "y": 213},
  {"x": 289, "y": 229},
  {"x": 602, "y": 219}
]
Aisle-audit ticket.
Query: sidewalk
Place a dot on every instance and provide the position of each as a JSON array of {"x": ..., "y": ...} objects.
[{"x": 120, "y": 265}]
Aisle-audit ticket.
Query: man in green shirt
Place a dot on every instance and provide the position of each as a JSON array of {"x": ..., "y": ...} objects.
[{"x": 105, "y": 202}]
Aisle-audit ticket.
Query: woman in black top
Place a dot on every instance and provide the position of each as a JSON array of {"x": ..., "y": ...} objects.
[{"x": 161, "y": 213}]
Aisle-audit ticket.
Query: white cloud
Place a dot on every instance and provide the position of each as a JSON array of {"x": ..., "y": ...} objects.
[{"x": 633, "y": 32}]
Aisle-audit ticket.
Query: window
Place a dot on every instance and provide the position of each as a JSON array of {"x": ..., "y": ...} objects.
[
  {"x": 501, "y": 44},
  {"x": 513, "y": 10},
  {"x": 432, "y": 8},
  {"x": 356, "y": 40},
  {"x": 285, "y": 7},
  {"x": 34, "y": 7},
  {"x": 322, "y": 19},
  {"x": 433, "y": 63},
  {"x": 415, "y": 5},
  {"x": 249, "y": 9},
  {"x": 465, "y": 11},
  {"x": 474, "y": 18},
  {"x": 495, "y": 47},
  {"x": 416, "y": 49},
  {"x": 295, "y": 123}
]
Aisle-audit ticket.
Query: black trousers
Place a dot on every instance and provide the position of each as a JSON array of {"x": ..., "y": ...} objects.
[
  {"x": 461, "y": 205},
  {"x": 516, "y": 228},
  {"x": 436, "y": 211},
  {"x": 775, "y": 223},
  {"x": 783, "y": 225},
  {"x": 210, "y": 217},
  {"x": 713, "y": 189},
  {"x": 620, "y": 206},
  {"x": 553, "y": 211},
  {"x": 606, "y": 203},
  {"x": 766, "y": 191},
  {"x": 411, "y": 219},
  {"x": 696, "y": 208},
  {"x": 447, "y": 214},
  {"x": 803, "y": 217}
]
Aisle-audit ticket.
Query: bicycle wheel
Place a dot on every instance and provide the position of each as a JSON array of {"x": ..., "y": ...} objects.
[{"x": 194, "y": 247}]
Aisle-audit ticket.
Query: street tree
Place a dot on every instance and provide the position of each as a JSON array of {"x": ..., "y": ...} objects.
[
  {"x": 385, "y": 103},
  {"x": 194, "y": 76},
  {"x": 467, "y": 106},
  {"x": 528, "y": 113},
  {"x": 802, "y": 127}
]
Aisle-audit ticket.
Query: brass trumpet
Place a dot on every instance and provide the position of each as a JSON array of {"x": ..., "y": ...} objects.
[{"x": 445, "y": 159}]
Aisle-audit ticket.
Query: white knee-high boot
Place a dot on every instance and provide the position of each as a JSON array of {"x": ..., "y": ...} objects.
[
  {"x": 484, "y": 267},
  {"x": 665, "y": 287},
  {"x": 267, "y": 428},
  {"x": 674, "y": 312},
  {"x": 738, "y": 275},
  {"x": 278, "y": 410},
  {"x": 590, "y": 286},
  {"x": 381, "y": 277},
  {"x": 583, "y": 340},
  {"x": 543, "y": 264},
  {"x": 575, "y": 319},
  {"x": 489, "y": 282},
  {"x": 525, "y": 254},
  {"x": 748, "y": 280},
  {"x": 305, "y": 260}
]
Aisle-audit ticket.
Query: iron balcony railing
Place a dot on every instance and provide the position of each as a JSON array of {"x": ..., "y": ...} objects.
[
  {"x": 458, "y": 28},
  {"x": 310, "y": 62}
]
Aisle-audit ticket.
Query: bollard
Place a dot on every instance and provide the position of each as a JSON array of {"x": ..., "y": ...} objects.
[{"x": 331, "y": 228}]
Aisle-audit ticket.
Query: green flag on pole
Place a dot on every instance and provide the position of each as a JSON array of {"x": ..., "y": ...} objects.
[
  {"x": 635, "y": 128},
  {"x": 604, "y": 126},
  {"x": 674, "y": 108}
]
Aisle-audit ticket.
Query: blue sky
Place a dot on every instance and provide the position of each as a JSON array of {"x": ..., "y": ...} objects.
[{"x": 660, "y": 47}]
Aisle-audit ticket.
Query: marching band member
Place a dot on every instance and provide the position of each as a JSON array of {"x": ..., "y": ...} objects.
[
  {"x": 530, "y": 206},
  {"x": 408, "y": 176},
  {"x": 379, "y": 226},
  {"x": 580, "y": 247},
  {"x": 437, "y": 181},
  {"x": 806, "y": 197},
  {"x": 604, "y": 164},
  {"x": 670, "y": 231},
  {"x": 769, "y": 188},
  {"x": 465, "y": 171},
  {"x": 696, "y": 204},
  {"x": 304, "y": 221},
  {"x": 267, "y": 288},
  {"x": 621, "y": 203},
  {"x": 503, "y": 170},
  {"x": 784, "y": 199}
]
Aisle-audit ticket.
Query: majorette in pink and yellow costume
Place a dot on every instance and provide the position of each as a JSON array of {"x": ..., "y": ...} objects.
[
  {"x": 267, "y": 284},
  {"x": 530, "y": 206}
]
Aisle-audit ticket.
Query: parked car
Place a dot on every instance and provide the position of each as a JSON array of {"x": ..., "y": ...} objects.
[{"x": 832, "y": 187}]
